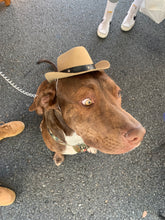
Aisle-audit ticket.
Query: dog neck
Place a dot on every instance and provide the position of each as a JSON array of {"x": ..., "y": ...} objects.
[
  {"x": 74, "y": 143},
  {"x": 61, "y": 132}
]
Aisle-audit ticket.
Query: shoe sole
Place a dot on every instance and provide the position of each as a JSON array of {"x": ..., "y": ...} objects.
[
  {"x": 124, "y": 28},
  {"x": 101, "y": 35}
]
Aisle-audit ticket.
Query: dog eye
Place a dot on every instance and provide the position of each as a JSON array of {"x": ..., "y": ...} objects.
[{"x": 87, "y": 102}]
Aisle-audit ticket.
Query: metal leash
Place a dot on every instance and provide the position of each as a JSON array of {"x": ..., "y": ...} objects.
[{"x": 16, "y": 87}]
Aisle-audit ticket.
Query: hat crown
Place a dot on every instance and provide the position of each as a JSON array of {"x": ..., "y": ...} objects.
[{"x": 77, "y": 56}]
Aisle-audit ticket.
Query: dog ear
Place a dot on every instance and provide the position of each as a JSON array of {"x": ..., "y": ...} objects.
[{"x": 45, "y": 97}]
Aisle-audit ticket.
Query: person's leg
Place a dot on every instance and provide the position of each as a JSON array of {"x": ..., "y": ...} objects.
[
  {"x": 129, "y": 20},
  {"x": 11, "y": 129},
  {"x": 7, "y": 196},
  {"x": 103, "y": 28}
]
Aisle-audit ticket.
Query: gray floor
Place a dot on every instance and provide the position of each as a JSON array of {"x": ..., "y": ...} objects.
[{"x": 85, "y": 186}]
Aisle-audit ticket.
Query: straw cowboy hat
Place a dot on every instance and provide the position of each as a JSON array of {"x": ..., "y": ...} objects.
[{"x": 74, "y": 62}]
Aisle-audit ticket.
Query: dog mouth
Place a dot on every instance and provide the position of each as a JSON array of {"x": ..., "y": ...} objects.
[
  {"x": 117, "y": 142},
  {"x": 120, "y": 149},
  {"x": 129, "y": 148},
  {"x": 112, "y": 146}
]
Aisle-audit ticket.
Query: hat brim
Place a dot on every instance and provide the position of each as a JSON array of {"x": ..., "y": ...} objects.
[{"x": 102, "y": 65}]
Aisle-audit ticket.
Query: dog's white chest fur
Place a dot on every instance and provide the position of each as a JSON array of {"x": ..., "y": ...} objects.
[
  {"x": 74, "y": 139},
  {"x": 71, "y": 141}
]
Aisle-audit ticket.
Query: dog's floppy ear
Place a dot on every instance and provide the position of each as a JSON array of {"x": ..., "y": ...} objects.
[{"x": 45, "y": 97}]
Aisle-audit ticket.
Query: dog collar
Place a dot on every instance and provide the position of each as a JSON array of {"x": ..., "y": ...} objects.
[{"x": 78, "y": 148}]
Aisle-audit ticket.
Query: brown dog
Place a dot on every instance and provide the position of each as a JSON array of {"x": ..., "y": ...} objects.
[{"x": 85, "y": 110}]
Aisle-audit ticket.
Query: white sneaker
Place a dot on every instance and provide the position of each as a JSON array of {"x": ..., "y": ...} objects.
[
  {"x": 103, "y": 29},
  {"x": 129, "y": 20}
]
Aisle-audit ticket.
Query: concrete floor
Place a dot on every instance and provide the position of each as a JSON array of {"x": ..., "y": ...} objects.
[{"x": 85, "y": 186}]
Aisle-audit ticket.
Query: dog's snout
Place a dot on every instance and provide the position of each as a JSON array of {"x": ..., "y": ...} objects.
[{"x": 135, "y": 135}]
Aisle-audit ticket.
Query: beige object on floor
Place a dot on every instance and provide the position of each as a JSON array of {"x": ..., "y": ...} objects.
[
  {"x": 7, "y": 196},
  {"x": 7, "y": 2},
  {"x": 11, "y": 129}
]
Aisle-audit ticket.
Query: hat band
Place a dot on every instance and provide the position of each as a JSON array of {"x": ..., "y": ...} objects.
[{"x": 78, "y": 69}]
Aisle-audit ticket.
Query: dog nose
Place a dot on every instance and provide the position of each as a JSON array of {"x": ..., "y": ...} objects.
[{"x": 135, "y": 135}]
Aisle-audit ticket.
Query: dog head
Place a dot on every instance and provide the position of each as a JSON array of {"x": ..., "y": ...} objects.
[{"x": 90, "y": 105}]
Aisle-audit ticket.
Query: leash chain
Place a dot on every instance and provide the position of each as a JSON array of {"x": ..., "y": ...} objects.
[{"x": 16, "y": 87}]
